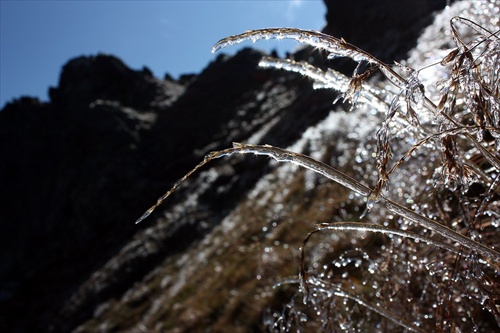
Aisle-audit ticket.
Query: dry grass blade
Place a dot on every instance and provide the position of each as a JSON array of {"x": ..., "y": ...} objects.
[
  {"x": 206, "y": 160},
  {"x": 462, "y": 135},
  {"x": 361, "y": 227},
  {"x": 484, "y": 33},
  {"x": 336, "y": 47},
  {"x": 283, "y": 155},
  {"x": 280, "y": 155},
  {"x": 323, "y": 79},
  {"x": 492, "y": 256},
  {"x": 349, "y": 88},
  {"x": 410, "y": 88},
  {"x": 330, "y": 288}
]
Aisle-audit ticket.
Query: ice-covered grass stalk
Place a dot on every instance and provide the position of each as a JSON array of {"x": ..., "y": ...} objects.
[
  {"x": 463, "y": 129},
  {"x": 282, "y": 155}
]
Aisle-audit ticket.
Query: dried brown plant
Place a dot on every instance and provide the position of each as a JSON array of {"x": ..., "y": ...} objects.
[{"x": 439, "y": 268}]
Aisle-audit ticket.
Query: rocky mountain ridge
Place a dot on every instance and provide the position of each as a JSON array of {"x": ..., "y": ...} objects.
[{"x": 80, "y": 169}]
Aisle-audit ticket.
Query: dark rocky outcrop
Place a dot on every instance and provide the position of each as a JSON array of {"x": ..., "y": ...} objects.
[
  {"x": 77, "y": 171},
  {"x": 385, "y": 28}
]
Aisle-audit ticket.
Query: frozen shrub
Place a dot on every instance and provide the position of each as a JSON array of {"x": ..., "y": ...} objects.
[{"x": 435, "y": 190}]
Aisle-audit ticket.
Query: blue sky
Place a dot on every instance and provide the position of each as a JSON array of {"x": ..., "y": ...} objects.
[{"x": 39, "y": 37}]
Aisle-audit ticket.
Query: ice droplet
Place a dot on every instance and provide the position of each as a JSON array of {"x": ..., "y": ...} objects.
[{"x": 369, "y": 205}]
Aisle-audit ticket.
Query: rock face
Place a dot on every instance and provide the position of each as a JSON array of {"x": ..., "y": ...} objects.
[
  {"x": 384, "y": 28},
  {"x": 83, "y": 167},
  {"x": 76, "y": 172}
]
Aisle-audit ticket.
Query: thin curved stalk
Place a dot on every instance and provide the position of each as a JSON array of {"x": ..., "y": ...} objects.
[
  {"x": 492, "y": 256},
  {"x": 359, "y": 226},
  {"x": 333, "y": 289},
  {"x": 280, "y": 155},
  {"x": 341, "y": 292},
  {"x": 340, "y": 48},
  {"x": 337, "y": 47},
  {"x": 283, "y": 155},
  {"x": 328, "y": 79},
  {"x": 479, "y": 29},
  {"x": 450, "y": 131},
  {"x": 492, "y": 159}
]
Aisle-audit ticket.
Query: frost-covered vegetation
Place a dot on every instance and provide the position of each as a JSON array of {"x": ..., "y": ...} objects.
[{"x": 431, "y": 165}]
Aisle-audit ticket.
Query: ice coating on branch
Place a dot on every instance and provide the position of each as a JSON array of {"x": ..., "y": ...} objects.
[
  {"x": 419, "y": 137},
  {"x": 329, "y": 79},
  {"x": 335, "y": 46}
]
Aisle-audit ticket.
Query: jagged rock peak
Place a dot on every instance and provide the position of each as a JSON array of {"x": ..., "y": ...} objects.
[{"x": 86, "y": 79}]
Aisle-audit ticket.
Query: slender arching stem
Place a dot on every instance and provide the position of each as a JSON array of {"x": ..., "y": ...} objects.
[
  {"x": 333, "y": 289},
  {"x": 283, "y": 155},
  {"x": 338, "y": 291},
  {"x": 339, "y": 47}
]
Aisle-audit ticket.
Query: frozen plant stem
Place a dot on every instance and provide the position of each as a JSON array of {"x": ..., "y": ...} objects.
[
  {"x": 330, "y": 288},
  {"x": 283, "y": 155},
  {"x": 358, "y": 226},
  {"x": 338, "y": 291},
  {"x": 468, "y": 108},
  {"x": 338, "y": 47}
]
